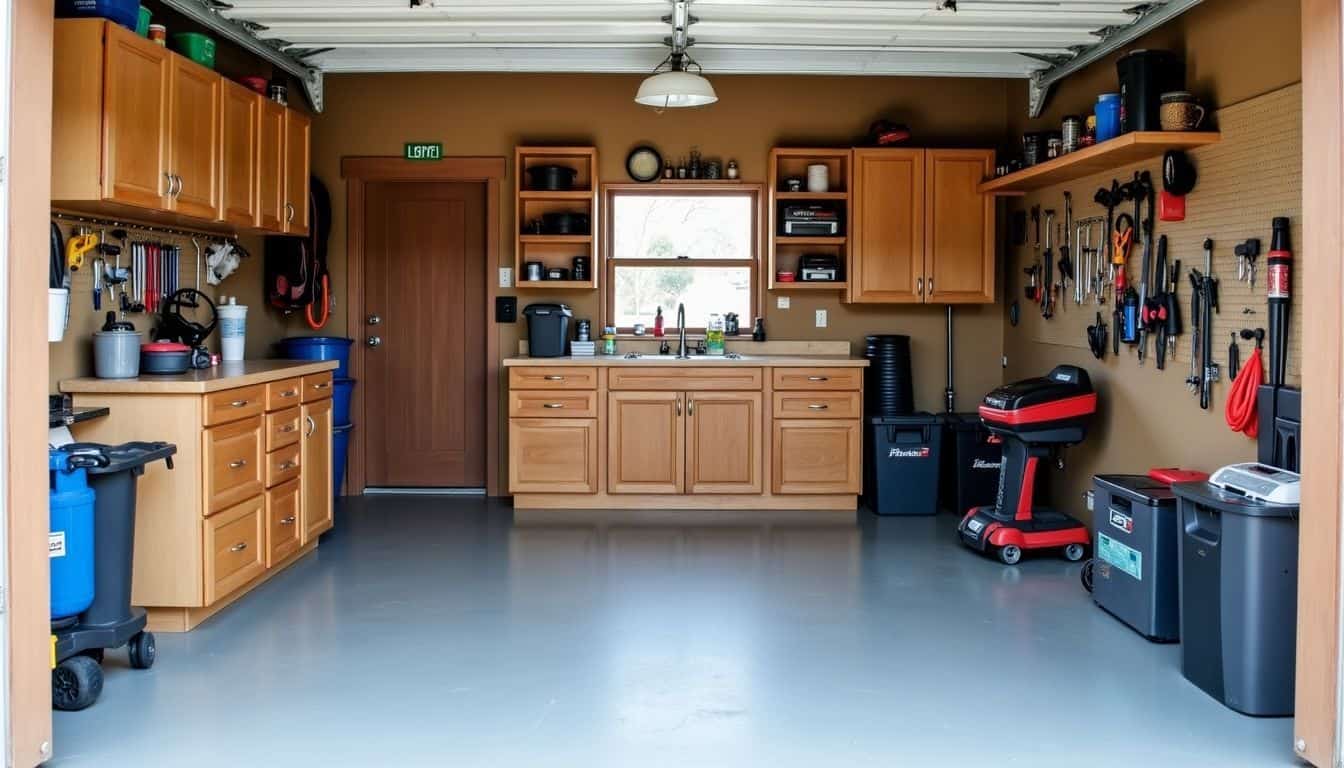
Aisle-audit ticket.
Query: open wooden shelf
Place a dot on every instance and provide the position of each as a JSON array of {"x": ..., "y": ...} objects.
[
  {"x": 839, "y": 285},
  {"x": 555, "y": 239},
  {"x": 811, "y": 195},
  {"x": 784, "y": 251},
  {"x": 531, "y": 204},
  {"x": 573, "y": 285},
  {"x": 570, "y": 194},
  {"x": 801, "y": 240},
  {"x": 1122, "y": 150}
]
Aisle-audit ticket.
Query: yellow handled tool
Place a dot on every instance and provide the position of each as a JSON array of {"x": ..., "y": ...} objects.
[{"x": 76, "y": 247}]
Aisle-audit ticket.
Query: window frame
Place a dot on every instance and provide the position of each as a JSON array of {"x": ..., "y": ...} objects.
[{"x": 611, "y": 191}]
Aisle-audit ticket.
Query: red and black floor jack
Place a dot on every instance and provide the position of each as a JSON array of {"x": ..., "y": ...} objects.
[{"x": 1032, "y": 417}]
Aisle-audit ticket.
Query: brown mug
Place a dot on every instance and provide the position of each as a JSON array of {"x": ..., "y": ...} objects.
[{"x": 1180, "y": 112}]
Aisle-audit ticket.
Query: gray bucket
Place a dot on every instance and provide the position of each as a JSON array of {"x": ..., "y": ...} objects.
[{"x": 116, "y": 354}]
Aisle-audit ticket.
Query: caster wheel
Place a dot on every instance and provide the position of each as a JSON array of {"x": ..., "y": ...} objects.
[
  {"x": 1086, "y": 574},
  {"x": 76, "y": 683},
  {"x": 94, "y": 653},
  {"x": 142, "y": 650},
  {"x": 1073, "y": 553},
  {"x": 1011, "y": 554}
]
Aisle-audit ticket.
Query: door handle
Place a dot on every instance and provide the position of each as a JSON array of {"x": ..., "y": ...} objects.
[
  {"x": 169, "y": 177},
  {"x": 374, "y": 341},
  {"x": 690, "y": 407},
  {"x": 930, "y": 286},
  {"x": 678, "y": 402},
  {"x": 289, "y": 212},
  {"x": 919, "y": 286},
  {"x": 178, "y": 193},
  {"x": 312, "y": 425},
  {"x": 373, "y": 319}
]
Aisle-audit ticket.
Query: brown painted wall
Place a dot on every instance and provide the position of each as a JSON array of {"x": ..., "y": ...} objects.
[{"x": 488, "y": 114}]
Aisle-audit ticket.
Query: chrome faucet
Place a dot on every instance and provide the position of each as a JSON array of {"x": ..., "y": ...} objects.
[{"x": 683, "y": 353}]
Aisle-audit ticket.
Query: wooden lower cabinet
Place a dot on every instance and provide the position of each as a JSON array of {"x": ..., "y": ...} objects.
[
  {"x": 817, "y": 456},
  {"x": 645, "y": 442},
  {"x": 553, "y": 455},
  {"x": 235, "y": 548},
  {"x": 282, "y": 521},
  {"x": 315, "y": 469},
  {"x": 723, "y": 442}
]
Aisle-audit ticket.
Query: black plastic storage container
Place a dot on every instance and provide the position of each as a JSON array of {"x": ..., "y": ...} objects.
[
  {"x": 1136, "y": 572},
  {"x": 971, "y": 461},
  {"x": 888, "y": 388},
  {"x": 902, "y": 465},
  {"x": 1238, "y": 598},
  {"x": 1280, "y": 426},
  {"x": 1144, "y": 76},
  {"x": 547, "y": 329}
]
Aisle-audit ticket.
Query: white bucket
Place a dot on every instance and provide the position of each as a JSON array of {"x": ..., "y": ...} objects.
[
  {"x": 58, "y": 312},
  {"x": 232, "y": 331},
  {"x": 818, "y": 178}
]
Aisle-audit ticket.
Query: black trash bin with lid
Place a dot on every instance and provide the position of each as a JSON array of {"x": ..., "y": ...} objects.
[
  {"x": 1238, "y": 561},
  {"x": 1136, "y": 576},
  {"x": 971, "y": 460},
  {"x": 902, "y": 465}
]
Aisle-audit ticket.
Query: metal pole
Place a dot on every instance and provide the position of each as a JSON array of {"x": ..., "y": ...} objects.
[{"x": 949, "y": 394}]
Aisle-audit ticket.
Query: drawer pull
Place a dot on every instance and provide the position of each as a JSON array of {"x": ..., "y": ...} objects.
[
  {"x": 818, "y": 378},
  {"x": 290, "y": 393},
  {"x": 553, "y": 378},
  {"x": 323, "y": 385},
  {"x": 289, "y": 428},
  {"x": 239, "y": 403},
  {"x": 690, "y": 407},
  {"x": 239, "y": 547},
  {"x": 819, "y": 406},
  {"x": 286, "y": 465},
  {"x": 552, "y": 405},
  {"x": 239, "y": 464},
  {"x": 287, "y": 520}
]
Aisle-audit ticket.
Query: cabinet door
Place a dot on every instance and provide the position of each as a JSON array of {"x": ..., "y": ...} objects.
[
  {"x": 959, "y": 228},
  {"x": 553, "y": 455},
  {"x": 135, "y": 120},
  {"x": 240, "y": 120},
  {"x": 271, "y": 167},
  {"x": 887, "y": 253},
  {"x": 723, "y": 442},
  {"x": 315, "y": 470},
  {"x": 817, "y": 456},
  {"x": 282, "y": 522},
  {"x": 193, "y": 138},
  {"x": 645, "y": 442},
  {"x": 298, "y": 129}
]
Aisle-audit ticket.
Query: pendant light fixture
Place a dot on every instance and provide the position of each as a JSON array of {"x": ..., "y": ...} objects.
[{"x": 677, "y": 81}]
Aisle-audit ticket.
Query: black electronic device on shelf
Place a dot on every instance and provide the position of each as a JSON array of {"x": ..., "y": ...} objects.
[{"x": 810, "y": 220}]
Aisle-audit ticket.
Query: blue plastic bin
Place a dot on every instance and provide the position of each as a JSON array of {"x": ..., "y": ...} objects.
[
  {"x": 123, "y": 12},
  {"x": 340, "y": 401},
  {"x": 70, "y": 537},
  {"x": 340, "y": 444},
  {"x": 319, "y": 348}
]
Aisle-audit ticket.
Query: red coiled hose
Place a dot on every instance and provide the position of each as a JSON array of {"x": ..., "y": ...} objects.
[{"x": 1241, "y": 411}]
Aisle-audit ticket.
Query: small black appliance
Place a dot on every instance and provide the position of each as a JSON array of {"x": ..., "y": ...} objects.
[
  {"x": 547, "y": 329},
  {"x": 810, "y": 220},
  {"x": 579, "y": 269},
  {"x": 818, "y": 268}
]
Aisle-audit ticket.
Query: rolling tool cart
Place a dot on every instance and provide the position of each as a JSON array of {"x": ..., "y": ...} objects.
[
  {"x": 1136, "y": 576},
  {"x": 1033, "y": 417},
  {"x": 107, "y": 620}
]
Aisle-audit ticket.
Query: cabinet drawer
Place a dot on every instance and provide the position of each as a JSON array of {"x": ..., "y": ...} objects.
[
  {"x": 282, "y": 465},
  {"x": 282, "y": 522},
  {"x": 282, "y": 428},
  {"x": 553, "y": 405},
  {"x": 235, "y": 548},
  {"x": 553, "y": 377},
  {"x": 679, "y": 379},
  {"x": 283, "y": 394},
  {"x": 234, "y": 404},
  {"x": 316, "y": 386},
  {"x": 233, "y": 459},
  {"x": 553, "y": 455},
  {"x": 818, "y": 378},
  {"x": 818, "y": 405},
  {"x": 817, "y": 456}
]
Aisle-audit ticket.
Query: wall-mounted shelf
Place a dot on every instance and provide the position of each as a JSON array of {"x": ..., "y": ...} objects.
[
  {"x": 533, "y": 204},
  {"x": 555, "y": 239},
  {"x": 840, "y": 285},
  {"x": 1122, "y": 150},
  {"x": 571, "y": 194},
  {"x": 799, "y": 240},
  {"x": 784, "y": 251},
  {"x": 811, "y": 195},
  {"x": 573, "y": 285}
]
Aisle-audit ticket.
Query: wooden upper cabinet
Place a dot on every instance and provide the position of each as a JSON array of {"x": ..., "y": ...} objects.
[
  {"x": 298, "y": 138},
  {"x": 959, "y": 227},
  {"x": 271, "y": 167},
  {"x": 240, "y": 122},
  {"x": 723, "y": 442},
  {"x": 645, "y": 442},
  {"x": 887, "y": 226},
  {"x": 135, "y": 119},
  {"x": 194, "y": 138}
]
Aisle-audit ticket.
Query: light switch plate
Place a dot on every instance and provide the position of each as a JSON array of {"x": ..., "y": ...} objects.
[
  {"x": 782, "y": 302},
  {"x": 821, "y": 318},
  {"x": 506, "y": 277}
]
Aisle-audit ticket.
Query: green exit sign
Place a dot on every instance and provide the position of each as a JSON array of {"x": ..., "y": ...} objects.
[{"x": 424, "y": 150}]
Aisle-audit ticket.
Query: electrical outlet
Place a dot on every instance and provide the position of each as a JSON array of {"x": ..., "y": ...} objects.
[
  {"x": 506, "y": 277},
  {"x": 821, "y": 318},
  {"x": 781, "y": 302}
]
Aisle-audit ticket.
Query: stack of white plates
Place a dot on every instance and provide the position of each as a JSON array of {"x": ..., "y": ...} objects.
[{"x": 583, "y": 348}]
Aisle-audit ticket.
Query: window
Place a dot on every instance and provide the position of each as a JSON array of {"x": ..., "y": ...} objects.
[{"x": 693, "y": 246}]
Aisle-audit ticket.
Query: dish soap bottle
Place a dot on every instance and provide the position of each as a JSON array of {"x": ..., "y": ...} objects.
[
  {"x": 714, "y": 336},
  {"x": 658, "y": 324}
]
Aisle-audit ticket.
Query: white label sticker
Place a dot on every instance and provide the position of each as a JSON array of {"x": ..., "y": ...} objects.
[
  {"x": 975, "y": 526},
  {"x": 56, "y": 544}
]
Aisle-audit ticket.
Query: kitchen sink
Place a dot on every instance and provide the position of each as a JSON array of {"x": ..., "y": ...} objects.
[{"x": 731, "y": 357}]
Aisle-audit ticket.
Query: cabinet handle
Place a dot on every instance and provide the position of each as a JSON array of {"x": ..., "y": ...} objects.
[
  {"x": 930, "y": 286},
  {"x": 239, "y": 464},
  {"x": 239, "y": 547},
  {"x": 287, "y": 520},
  {"x": 323, "y": 385},
  {"x": 289, "y": 212},
  {"x": 920, "y": 286},
  {"x": 178, "y": 193},
  {"x": 287, "y": 465},
  {"x": 819, "y": 406},
  {"x": 288, "y": 428},
  {"x": 678, "y": 402},
  {"x": 169, "y": 177},
  {"x": 290, "y": 393},
  {"x": 690, "y": 407},
  {"x": 553, "y": 378},
  {"x": 818, "y": 378},
  {"x": 312, "y": 425},
  {"x": 552, "y": 405},
  {"x": 239, "y": 403}
]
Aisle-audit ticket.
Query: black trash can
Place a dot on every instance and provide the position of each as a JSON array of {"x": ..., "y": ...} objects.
[
  {"x": 1136, "y": 574},
  {"x": 902, "y": 465},
  {"x": 1238, "y": 562},
  {"x": 888, "y": 387},
  {"x": 971, "y": 461}
]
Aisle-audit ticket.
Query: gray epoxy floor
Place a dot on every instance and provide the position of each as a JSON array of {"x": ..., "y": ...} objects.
[{"x": 437, "y": 632}]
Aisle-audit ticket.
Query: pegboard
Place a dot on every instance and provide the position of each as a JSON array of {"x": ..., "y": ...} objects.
[{"x": 1251, "y": 176}]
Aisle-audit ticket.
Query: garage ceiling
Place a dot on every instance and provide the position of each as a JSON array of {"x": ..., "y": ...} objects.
[{"x": 964, "y": 38}]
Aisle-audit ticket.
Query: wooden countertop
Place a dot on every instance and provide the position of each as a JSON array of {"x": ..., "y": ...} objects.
[
  {"x": 698, "y": 361},
  {"x": 198, "y": 382}
]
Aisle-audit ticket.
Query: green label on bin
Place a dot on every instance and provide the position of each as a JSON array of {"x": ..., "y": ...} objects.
[{"x": 1125, "y": 558}]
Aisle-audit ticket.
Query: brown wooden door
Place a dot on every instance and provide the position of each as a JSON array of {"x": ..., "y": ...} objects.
[
  {"x": 315, "y": 469},
  {"x": 271, "y": 167},
  {"x": 424, "y": 282},
  {"x": 959, "y": 227},
  {"x": 240, "y": 122},
  {"x": 821, "y": 456},
  {"x": 193, "y": 138},
  {"x": 297, "y": 132},
  {"x": 723, "y": 442},
  {"x": 135, "y": 121},
  {"x": 887, "y": 254},
  {"x": 645, "y": 442}
]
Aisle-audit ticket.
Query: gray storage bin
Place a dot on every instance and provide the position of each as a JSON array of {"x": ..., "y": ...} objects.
[{"x": 1136, "y": 575}]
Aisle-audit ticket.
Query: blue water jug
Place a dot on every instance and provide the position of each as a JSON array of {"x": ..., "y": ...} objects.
[
  {"x": 70, "y": 538},
  {"x": 1108, "y": 116}
]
